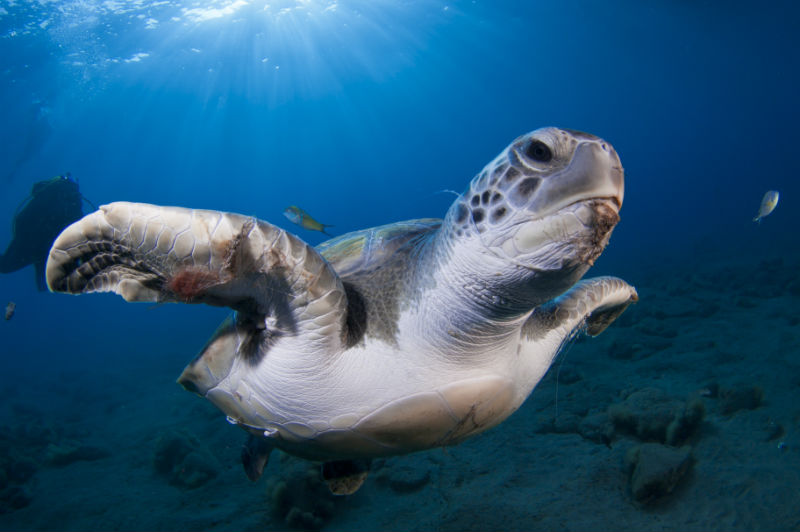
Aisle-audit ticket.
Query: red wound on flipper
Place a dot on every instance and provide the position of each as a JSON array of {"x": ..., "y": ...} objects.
[{"x": 190, "y": 282}]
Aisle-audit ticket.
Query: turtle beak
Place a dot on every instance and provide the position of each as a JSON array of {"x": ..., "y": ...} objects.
[{"x": 594, "y": 173}]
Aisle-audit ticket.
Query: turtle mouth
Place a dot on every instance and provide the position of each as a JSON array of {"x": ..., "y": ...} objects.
[
  {"x": 616, "y": 200},
  {"x": 607, "y": 206},
  {"x": 612, "y": 202},
  {"x": 583, "y": 227}
]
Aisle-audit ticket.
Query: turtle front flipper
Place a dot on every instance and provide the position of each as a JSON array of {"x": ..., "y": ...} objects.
[
  {"x": 170, "y": 254},
  {"x": 590, "y": 306}
]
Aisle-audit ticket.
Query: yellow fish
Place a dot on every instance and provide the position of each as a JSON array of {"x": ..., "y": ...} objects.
[
  {"x": 298, "y": 216},
  {"x": 768, "y": 204}
]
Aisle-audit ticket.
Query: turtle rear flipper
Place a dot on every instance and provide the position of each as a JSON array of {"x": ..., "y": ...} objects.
[
  {"x": 255, "y": 455},
  {"x": 344, "y": 477}
]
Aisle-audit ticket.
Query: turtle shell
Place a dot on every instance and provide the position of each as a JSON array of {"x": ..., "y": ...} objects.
[{"x": 358, "y": 251}]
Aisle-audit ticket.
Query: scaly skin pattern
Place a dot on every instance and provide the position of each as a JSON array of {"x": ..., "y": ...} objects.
[{"x": 390, "y": 340}]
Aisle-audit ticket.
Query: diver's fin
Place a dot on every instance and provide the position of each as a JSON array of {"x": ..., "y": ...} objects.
[
  {"x": 255, "y": 455},
  {"x": 344, "y": 477},
  {"x": 41, "y": 282},
  {"x": 592, "y": 303}
]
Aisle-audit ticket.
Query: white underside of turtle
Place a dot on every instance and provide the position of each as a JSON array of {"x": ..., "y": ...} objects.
[{"x": 385, "y": 341}]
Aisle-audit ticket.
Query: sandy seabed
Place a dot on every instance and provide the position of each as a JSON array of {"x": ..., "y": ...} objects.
[{"x": 683, "y": 415}]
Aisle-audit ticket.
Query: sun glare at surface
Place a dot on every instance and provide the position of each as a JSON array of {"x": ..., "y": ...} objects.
[
  {"x": 235, "y": 69},
  {"x": 308, "y": 43}
]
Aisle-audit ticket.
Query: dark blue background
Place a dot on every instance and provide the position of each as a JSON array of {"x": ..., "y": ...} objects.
[{"x": 375, "y": 108}]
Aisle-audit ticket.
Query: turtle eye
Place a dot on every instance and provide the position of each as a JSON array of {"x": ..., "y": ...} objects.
[{"x": 538, "y": 151}]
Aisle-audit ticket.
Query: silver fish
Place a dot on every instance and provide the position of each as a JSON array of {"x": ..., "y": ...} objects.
[
  {"x": 10, "y": 308},
  {"x": 768, "y": 204}
]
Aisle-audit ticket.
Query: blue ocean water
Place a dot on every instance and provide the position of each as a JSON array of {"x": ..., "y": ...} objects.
[{"x": 366, "y": 112}]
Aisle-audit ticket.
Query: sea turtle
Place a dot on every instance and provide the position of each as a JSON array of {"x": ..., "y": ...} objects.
[{"x": 384, "y": 341}]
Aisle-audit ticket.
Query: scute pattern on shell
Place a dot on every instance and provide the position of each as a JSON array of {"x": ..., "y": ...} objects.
[{"x": 359, "y": 251}]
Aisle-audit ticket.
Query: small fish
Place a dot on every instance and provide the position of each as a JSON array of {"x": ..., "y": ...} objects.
[
  {"x": 768, "y": 204},
  {"x": 10, "y": 308},
  {"x": 298, "y": 216}
]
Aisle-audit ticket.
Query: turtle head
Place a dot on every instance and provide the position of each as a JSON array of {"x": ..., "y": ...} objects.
[{"x": 539, "y": 215}]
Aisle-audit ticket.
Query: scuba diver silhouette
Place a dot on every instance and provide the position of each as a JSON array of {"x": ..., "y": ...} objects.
[{"x": 52, "y": 205}]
